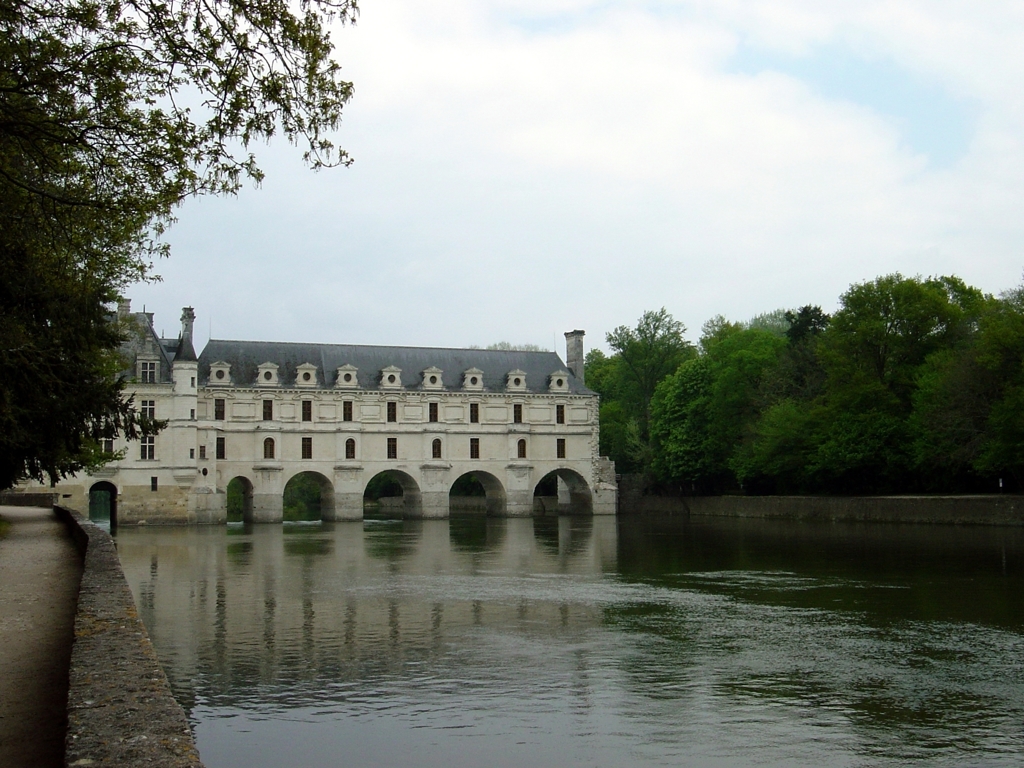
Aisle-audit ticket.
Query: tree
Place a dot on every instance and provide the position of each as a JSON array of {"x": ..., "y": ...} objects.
[
  {"x": 507, "y": 346},
  {"x": 704, "y": 415},
  {"x": 602, "y": 374},
  {"x": 874, "y": 352},
  {"x": 886, "y": 328},
  {"x": 647, "y": 354},
  {"x": 112, "y": 113}
]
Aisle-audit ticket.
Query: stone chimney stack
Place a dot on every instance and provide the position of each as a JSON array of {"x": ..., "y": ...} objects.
[
  {"x": 124, "y": 308},
  {"x": 574, "y": 353},
  {"x": 188, "y": 320}
]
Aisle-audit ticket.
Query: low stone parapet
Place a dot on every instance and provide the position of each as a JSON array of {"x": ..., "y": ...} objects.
[
  {"x": 120, "y": 708},
  {"x": 28, "y": 499}
]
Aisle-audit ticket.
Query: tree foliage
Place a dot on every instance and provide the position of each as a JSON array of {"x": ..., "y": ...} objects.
[
  {"x": 912, "y": 385},
  {"x": 626, "y": 380},
  {"x": 111, "y": 114}
]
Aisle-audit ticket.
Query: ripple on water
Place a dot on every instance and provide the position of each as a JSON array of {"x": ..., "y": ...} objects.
[{"x": 385, "y": 644}]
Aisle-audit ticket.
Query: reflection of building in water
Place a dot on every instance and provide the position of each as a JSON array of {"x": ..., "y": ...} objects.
[
  {"x": 262, "y": 413},
  {"x": 271, "y": 606}
]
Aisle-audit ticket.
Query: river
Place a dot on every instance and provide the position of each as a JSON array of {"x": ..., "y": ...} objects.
[{"x": 589, "y": 642}]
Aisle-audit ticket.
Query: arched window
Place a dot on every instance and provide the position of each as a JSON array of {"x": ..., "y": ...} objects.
[
  {"x": 522, "y": 449},
  {"x": 435, "y": 448},
  {"x": 268, "y": 448},
  {"x": 350, "y": 448}
]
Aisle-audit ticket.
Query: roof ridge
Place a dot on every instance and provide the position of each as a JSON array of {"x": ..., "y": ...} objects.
[{"x": 386, "y": 346}]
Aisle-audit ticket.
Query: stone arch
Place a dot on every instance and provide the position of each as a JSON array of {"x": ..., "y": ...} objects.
[
  {"x": 303, "y": 505},
  {"x": 238, "y": 504},
  {"x": 494, "y": 494},
  {"x": 103, "y": 503},
  {"x": 580, "y": 499},
  {"x": 411, "y": 499}
]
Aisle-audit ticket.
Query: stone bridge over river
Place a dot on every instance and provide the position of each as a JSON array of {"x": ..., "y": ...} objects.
[{"x": 522, "y": 423}]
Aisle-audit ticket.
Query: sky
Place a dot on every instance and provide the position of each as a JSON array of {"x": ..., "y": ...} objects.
[{"x": 527, "y": 168}]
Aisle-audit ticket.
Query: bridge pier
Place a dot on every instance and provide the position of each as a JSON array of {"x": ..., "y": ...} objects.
[
  {"x": 433, "y": 504},
  {"x": 267, "y": 507},
  {"x": 519, "y": 503}
]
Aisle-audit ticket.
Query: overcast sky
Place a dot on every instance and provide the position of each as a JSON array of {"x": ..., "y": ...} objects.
[{"x": 526, "y": 168}]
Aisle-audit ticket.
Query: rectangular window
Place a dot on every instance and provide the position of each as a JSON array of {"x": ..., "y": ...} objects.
[
  {"x": 149, "y": 373},
  {"x": 218, "y": 409},
  {"x": 474, "y": 413},
  {"x": 474, "y": 447},
  {"x": 307, "y": 410},
  {"x": 560, "y": 414},
  {"x": 560, "y": 448},
  {"x": 193, "y": 382},
  {"x": 192, "y": 413},
  {"x": 517, "y": 413},
  {"x": 148, "y": 409},
  {"x": 346, "y": 411},
  {"x": 268, "y": 410},
  {"x": 392, "y": 447},
  {"x": 191, "y": 453},
  {"x": 221, "y": 448},
  {"x": 392, "y": 411},
  {"x": 307, "y": 447},
  {"x": 433, "y": 411},
  {"x": 148, "y": 449},
  {"x": 108, "y": 446},
  {"x": 153, "y": 484},
  {"x": 202, "y": 451}
]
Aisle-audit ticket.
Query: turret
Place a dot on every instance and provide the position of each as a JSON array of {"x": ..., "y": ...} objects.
[{"x": 184, "y": 371}]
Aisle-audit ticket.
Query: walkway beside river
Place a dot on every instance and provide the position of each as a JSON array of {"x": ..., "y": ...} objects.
[{"x": 40, "y": 571}]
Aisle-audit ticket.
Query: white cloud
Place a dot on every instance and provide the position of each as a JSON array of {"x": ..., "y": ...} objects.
[{"x": 524, "y": 168}]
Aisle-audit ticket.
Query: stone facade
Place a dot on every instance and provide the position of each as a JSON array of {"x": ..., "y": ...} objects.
[{"x": 265, "y": 412}]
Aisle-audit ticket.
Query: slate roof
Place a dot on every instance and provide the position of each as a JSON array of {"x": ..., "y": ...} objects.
[
  {"x": 246, "y": 356},
  {"x": 185, "y": 352}
]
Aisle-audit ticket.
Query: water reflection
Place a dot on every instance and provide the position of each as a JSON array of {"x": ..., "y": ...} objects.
[{"x": 583, "y": 641}]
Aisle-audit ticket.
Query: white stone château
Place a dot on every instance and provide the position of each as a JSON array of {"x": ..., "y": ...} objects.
[{"x": 264, "y": 412}]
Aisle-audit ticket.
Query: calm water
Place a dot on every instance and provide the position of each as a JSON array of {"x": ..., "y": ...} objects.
[{"x": 580, "y": 642}]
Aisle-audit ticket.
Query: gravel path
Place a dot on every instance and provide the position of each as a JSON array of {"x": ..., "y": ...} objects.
[{"x": 40, "y": 570}]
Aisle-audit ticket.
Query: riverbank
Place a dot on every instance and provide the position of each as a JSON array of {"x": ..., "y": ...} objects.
[
  {"x": 948, "y": 510},
  {"x": 40, "y": 570},
  {"x": 120, "y": 708}
]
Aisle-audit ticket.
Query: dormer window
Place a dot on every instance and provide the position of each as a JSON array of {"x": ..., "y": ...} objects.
[
  {"x": 473, "y": 380},
  {"x": 432, "y": 378},
  {"x": 147, "y": 371},
  {"x": 346, "y": 378},
  {"x": 220, "y": 374},
  {"x": 266, "y": 375},
  {"x": 559, "y": 381},
  {"x": 391, "y": 377},
  {"x": 305, "y": 375},
  {"x": 515, "y": 381}
]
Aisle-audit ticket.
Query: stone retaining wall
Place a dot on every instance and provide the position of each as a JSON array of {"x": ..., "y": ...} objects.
[
  {"x": 120, "y": 708},
  {"x": 27, "y": 499},
  {"x": 976, "y": 510}
]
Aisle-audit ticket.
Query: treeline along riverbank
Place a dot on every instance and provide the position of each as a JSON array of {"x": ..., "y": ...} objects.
[{"x": 913, "y": 386}]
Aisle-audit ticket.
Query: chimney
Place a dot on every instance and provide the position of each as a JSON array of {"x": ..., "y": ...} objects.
[
  {"x": 188, "y": 319},
  {"x": 574, "y": 353},
  {"x": 124, "y": 308}
]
